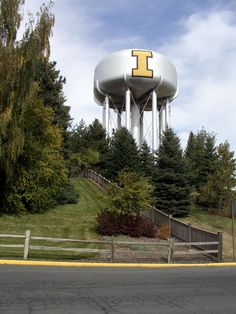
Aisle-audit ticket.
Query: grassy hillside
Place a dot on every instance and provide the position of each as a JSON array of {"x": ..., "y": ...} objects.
[
  {"x": 200, "y": 218},
  {"x": 67, "y": 221},
  {"x": 79, "y": 220}
]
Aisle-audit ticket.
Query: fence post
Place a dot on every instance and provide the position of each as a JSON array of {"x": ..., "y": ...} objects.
[
  {"x": 171, "y": 250},
  {"x": 190, "y": 236},
  {"x": 153, "y": 215},
  {"x": 220, "y": 246},
  {"x": 26, "y": 246},
  {"x": 169, "y": 221},
  {"x": 112, "y": 249}
]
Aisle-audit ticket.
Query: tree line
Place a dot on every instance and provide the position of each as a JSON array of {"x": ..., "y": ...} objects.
[
  {"x": 40, "y": 150},
  {"x": 203, "y": 173}
]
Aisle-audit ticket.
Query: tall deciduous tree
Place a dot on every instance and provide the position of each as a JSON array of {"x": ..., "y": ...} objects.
[
  {"x": 39, "y": 172},
  {"x": 171, "y": 184},
  {"x": 132, "y": 195},
  {"x": 31, "y": 168}
]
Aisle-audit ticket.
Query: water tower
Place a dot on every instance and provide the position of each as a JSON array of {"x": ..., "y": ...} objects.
[{"x": 133, "y": 82}]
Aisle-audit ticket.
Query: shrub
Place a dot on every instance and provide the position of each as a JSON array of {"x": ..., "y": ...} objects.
[
  {"x": 130, "y": 195},
  {"x": 114, "y": 223},
  {"x": 67, "y": 195},
  {"x": 163, "y": 232}
]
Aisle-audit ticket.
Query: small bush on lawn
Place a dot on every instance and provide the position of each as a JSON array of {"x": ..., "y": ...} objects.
[
  {"x": 67, "y": 195},
  {"x": 113, "y": 223},
  {"x": 163, "y": 232}
]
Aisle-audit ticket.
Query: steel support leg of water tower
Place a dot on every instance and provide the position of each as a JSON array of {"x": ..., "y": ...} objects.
[
  {"x": 135, "y": 123},
  {"x": 141, "y": 129},
  {"x": 161, "y": 124},
  {"x": 106, "y": 115},
  {"x": 154, "y": 121},
  {"x": 118, "y": 119},
  {"x": 127, "y": 108},
  {"x": 167, "y": 114}
]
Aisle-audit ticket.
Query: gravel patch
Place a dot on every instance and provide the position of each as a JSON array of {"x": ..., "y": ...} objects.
[{"x": 149, "y": 250}]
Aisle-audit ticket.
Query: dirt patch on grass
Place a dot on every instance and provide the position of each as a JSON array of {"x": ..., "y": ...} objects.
[{"x": 149, "y": 250}]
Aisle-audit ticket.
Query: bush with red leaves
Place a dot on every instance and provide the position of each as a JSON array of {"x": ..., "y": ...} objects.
[{"x": 113, "y": 223}]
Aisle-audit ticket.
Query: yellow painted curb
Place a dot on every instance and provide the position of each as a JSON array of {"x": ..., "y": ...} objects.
[{"x": 121, "y": 265}]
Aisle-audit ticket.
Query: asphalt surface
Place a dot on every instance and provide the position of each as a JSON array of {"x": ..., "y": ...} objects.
[{"x": 33, "y": 289}]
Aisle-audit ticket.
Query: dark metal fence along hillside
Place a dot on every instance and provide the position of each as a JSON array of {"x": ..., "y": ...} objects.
[
  {"x": 90, "y": 174},
  {"x": 182, "y": 231}
]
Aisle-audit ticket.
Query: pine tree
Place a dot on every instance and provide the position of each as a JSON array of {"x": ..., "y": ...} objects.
[
  {"x": 190, "y": 146},
  {"x": 89, "y": 147},
  {"x": 77, "y": 138},
  {"x": 200, "y": 155},
  {"x": 171, "y": 184},
  {"x": 51, "y": 92},
  {"x": 218, "y": 190},
  {"x": 96, "y": 139},
  {"x": 146, "y": 161},
  {"x": 123, "y": 153}
]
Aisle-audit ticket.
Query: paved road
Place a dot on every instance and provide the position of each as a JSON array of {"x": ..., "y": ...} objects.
[{"x": 25, "y": 289}]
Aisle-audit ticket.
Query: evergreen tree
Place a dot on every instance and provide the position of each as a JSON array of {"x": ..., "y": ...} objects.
[
  {"x": 190, "y": 146},
  {"x": 188, "y": 155},
  {"x": 146, "y": 161},
  {"x": 51, "y": 92},
  {"x": 78, "y": 138},
  {"x": 218, "y": 190},
  {"x": 172, "y": 192},
  {"x": 123, "y": 153},
  {"x": 96, "y": 139},
  {"x": 210, "y": 154},
  {"x": 200, "y": 155},
  {"x": 88, "y": 146}
]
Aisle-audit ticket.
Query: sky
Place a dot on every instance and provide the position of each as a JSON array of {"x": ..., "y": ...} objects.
[{"x": 197, "y": 36}]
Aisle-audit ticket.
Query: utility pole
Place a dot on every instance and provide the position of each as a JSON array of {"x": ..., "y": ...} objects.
[{"x": 233, "y": 203}]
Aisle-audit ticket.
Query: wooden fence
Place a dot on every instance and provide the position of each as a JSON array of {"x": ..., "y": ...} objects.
[
  {"x": 185, "y": 232},
  {"x": 178, "y": 229},
  {"x": 99, "y": 179},
  {"x": 113, "y": 247}
]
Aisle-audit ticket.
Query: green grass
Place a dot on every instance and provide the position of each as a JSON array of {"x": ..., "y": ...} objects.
[
  {"x": 76, "y": 221},
  {"x": 200, "y": 218}
]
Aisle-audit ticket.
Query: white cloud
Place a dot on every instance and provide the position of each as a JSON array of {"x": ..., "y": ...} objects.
[
  {"x": 78, "y": 54},
  {"x": 75, "y": 54},
  {"x": 206, "y": 65},
  {"x": 204, "y": 55}
]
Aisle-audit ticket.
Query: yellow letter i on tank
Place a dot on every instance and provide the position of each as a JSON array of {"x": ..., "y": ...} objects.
[{"x": 142, "y": 64}]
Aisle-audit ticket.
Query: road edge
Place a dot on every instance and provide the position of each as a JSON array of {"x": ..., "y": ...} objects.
[{"x": 112, "y": 265}]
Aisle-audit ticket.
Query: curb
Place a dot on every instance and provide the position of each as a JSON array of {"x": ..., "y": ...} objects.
[{"x": 112, "y": 265}]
